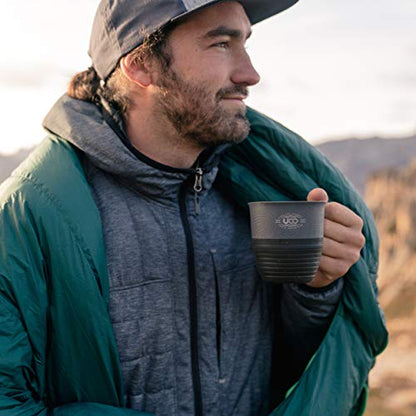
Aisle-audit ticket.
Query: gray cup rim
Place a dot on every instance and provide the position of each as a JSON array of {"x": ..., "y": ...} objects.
[{"x": 286, "y": 202}]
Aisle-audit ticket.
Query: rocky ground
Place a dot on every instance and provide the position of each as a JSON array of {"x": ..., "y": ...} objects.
[{"x": 392, "y": 197}]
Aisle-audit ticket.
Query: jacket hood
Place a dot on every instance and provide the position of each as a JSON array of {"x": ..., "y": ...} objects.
[{"x": 83, "y": 125}]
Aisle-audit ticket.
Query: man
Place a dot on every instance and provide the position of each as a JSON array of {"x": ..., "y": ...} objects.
[{"x": 128, "y": 282}]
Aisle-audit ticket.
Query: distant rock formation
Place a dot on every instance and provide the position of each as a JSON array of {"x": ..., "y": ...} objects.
[
  {"x": 391, "y": 195},
  {"x": 359, "y": 158}
]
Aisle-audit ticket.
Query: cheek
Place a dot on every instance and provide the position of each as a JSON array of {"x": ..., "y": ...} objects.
[{"x": 200, "y": 68}]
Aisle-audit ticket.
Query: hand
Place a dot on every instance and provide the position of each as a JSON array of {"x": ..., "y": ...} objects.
[{"x": 343, "y": 240}]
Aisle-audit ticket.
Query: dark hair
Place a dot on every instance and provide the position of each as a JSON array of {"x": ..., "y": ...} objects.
[{"x": 87, "y": 86}]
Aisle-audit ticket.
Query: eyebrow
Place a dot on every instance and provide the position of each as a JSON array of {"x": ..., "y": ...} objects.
[{"x": 225, "y": 31}]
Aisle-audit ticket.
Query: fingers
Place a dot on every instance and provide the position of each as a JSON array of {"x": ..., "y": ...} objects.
[
  {"x": 343, "y": 215},
  {"x": 343, "y": 240},
  {"x": 335, "y": 211},
  {"x": 340, "y": 233},
  {"x": 334, "y": 250}
]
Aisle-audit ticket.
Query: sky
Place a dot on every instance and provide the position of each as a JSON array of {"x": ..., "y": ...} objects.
[{"x": 330, "y": 68}]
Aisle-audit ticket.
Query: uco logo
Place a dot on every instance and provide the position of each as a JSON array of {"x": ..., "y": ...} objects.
[{"x": 290, "y": 221}]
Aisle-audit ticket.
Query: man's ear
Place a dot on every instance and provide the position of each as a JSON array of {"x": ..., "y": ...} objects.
[{"x": 135, "y": 71}]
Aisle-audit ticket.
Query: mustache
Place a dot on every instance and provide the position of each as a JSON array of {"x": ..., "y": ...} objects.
[{"x": 234, "y": 90}]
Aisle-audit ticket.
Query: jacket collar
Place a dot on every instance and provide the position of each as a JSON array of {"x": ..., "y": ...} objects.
[{"x": 86, "y": 126}]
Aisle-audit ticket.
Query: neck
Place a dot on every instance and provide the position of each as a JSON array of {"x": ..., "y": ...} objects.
[{"x": 157, "y": 139}]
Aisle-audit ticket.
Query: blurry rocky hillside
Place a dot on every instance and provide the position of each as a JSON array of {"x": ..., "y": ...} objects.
[
  {"x": 391, "y": 195},
  {"x": 358, "y": 159}
]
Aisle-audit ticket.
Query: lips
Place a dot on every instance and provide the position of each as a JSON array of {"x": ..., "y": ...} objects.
[
  {"x": 235, "y": 97},
  {"x": 237, "y": 92}
]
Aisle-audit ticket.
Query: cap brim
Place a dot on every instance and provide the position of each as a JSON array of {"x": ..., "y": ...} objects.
[{"x": 257, "y": 10}]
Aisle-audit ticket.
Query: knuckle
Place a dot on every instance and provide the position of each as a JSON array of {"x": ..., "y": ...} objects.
[
  {"x": 352, "y": 256},
  {"x": 356, "y": 256},
  {"x": 360, "y": 222}
]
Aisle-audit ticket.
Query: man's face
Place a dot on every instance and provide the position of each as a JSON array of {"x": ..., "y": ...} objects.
[{"x": 202, "y": 91}]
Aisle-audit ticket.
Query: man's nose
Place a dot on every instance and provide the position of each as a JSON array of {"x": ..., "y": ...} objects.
[{"x": 245, "y": 73}]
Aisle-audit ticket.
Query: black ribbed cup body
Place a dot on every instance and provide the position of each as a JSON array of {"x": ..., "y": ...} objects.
[{"x": 287, "y": 239}]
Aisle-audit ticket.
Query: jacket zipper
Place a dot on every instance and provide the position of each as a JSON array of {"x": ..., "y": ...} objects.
[
  {"x": 193, "y": 304},
  {"x": 197, "y": 188}
]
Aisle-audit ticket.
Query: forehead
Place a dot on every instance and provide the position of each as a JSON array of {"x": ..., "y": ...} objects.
[{"x": 229, "y": 14}]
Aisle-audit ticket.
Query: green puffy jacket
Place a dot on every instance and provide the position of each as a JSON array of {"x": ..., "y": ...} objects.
[{"x": 52, "y": 250}]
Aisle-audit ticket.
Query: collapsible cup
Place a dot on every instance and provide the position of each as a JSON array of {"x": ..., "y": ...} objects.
[{"x": 287, "y": 239}]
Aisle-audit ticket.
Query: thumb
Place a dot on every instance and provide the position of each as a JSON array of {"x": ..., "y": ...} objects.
[{"x": 317, "y": 194}]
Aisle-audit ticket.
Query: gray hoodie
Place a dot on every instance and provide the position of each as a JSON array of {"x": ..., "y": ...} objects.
[{"x": 198, "y": 332}]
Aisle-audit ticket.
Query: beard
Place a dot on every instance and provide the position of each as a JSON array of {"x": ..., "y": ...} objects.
[{"x": 196, "y": 115}]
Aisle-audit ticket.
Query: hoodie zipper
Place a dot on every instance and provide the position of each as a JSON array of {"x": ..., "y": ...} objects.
[
  {"x": 197, "y": 188},
  {"x": 193, "y": 304}
]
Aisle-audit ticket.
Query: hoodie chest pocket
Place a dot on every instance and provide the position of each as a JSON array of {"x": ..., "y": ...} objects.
[
  {"x": 243, "y": 308},
  {"x": 237, "y": 284},
  {"x": 142, "y": 318}
]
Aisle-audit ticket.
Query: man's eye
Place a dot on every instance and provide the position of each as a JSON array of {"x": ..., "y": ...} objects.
[{"x": 223, "y": 45}]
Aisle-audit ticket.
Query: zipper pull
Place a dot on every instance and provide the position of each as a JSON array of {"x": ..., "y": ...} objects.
[{"x": 197, "y": 188}]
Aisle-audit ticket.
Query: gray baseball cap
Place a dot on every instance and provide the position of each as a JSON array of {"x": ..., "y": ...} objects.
[{"x": 120, "y": 25}]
